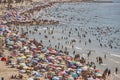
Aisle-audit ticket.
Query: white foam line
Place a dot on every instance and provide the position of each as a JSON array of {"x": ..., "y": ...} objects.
[
  {"x": 114, "y": 61},
  {"x": 115, "y": 55},
  {"x": 103, "y": 64},
  {"x": 78, "y": 48}
]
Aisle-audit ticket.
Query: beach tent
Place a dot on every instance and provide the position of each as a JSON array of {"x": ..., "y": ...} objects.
[{"x": 3, "y": 59}]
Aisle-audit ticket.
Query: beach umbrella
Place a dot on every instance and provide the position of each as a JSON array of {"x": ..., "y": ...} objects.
[
  {"x": 36, "y": 50},
  {"x": 58, "y": 68},
  {"x": 43, "y": 70},
  {"x": 3, "y": 59},
  {"x": 91, "y": 68},
  {"x": 22, "y": 71},
  {"x": 60, "y": 53},
  {"x": 97, "y": 70},
  {"x": 73, "y": 66},
  {"x": 43, "y": 50},
  {"x": 11, "y": 42},
  {"x": 90, "y": 78},
  {"x": 2, "y": 28},
  {"x": 78, "y": 70},
  {"x": 18, "y": 57},
  {"x": 36, "y": 54},
  {"x": 55, "y": 78},
  {"x": 49, "y": 48},
  {"x": 25, "y": 47},
  {"x": 51, "y": 58},
  {"x": 52, "y": 65},
  {"x": 34, "y": 61},
  {"x": 41, "y": 56},
  {"x": 30, "y": 79},
  {"x": 20, "y": 54},
  {"x": 52, "y": 52},
  {"x": 62, "y": 72},
  {"x": 22, "y": 39},
  {"x": 23, "y": 57},
  {"x": 29, "y": 56},
  {"x": 98, "y": 74},
  {"x": 22, "y": 64},
  {"x": 74, "y": 75},
  {"x": 78, "y": 64},
  {"x": 35, "y": 73},
  {"x": 13, "y": 54},
  {"x": 70, "y": 69},
  {"x": 33, "y": 46},
  {"x": 98, "y": 79},
  {"x": 69, "y": 58},
  {"x": 1, "y": 33},
  {"x": 59, "y": 57},
  {"x": 84, "y": 68},
  {"x": 25, "y": 67},
  {"x": 27, "y": 50}
]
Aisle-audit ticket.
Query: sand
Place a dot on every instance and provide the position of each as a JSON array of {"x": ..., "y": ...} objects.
[{"x": 110, "y": 62}]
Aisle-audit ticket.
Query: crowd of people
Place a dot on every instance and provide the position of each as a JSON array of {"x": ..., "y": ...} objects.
[
  {"x": 37, "y": 61},
  {"x": 34, "y": 61}
]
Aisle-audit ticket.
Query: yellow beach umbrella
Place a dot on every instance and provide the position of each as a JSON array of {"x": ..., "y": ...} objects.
[{"x": 23, "y": 57}]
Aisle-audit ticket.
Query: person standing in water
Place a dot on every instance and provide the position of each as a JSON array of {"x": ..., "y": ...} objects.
[
  {"x": 116, "y": 70},
  {"x": 105, "y": 56},
  {"x": 2, "y": 78}
]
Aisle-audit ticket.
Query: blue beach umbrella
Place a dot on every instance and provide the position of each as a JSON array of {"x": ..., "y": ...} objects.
[
  {"x": 78, "y": 70},
  {"x": 37, "y": 74},
  {"x": 34, "y": 61},
  {"x": 55, "y": 78}
]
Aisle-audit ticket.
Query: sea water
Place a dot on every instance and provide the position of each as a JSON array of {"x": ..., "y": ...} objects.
[{"x": 86, "y": 17}]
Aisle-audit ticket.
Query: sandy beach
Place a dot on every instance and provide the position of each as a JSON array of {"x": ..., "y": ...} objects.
[{"x": 78, "y": 32}]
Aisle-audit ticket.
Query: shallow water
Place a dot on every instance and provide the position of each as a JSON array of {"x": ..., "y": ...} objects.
[
  {"x": 97, "y": 21},
  {"x": 86, "y": 17}
]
